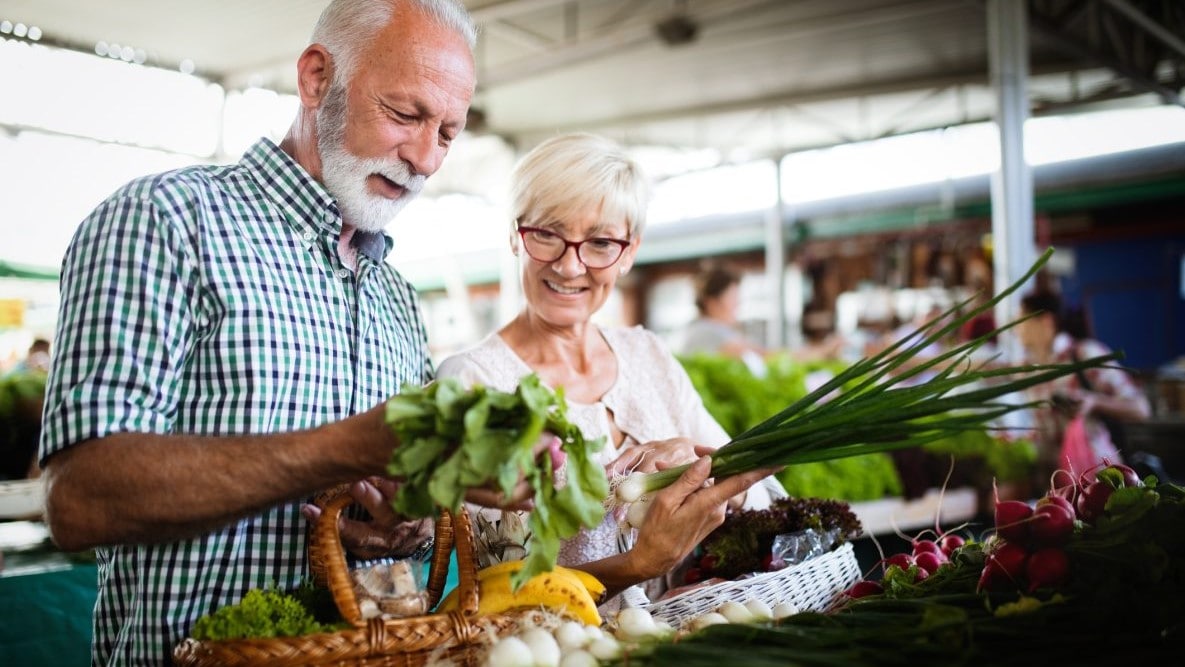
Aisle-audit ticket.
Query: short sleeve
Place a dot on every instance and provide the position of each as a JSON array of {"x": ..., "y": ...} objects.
[{"x": 124, "y": 327}]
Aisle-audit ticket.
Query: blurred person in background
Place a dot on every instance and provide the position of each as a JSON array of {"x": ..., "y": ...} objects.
[
  {"x": 228, "y": 337},
  {"x": 36, "y": 359},
  {"x": 716, "y": 330},
  {"x": 22, "y": 397},
  {"x": 578, "y": 204},
  {"x": 1100, "y": 395}
]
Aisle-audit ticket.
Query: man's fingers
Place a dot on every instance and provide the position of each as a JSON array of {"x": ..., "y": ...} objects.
[{"x": 520, "y": 500}]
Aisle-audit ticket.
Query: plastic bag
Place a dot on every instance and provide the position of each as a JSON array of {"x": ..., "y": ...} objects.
[{"x": 1076, "y": 455}]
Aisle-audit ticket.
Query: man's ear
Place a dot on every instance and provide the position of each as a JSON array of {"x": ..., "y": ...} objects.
[{"x": 314, "y": 71}]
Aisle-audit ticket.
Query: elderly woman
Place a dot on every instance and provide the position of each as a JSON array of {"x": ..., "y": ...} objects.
[{"x": 578, "y": 206}]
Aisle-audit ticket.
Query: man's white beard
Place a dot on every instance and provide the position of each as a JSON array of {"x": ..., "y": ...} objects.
[{"x": 344, "y": 174}]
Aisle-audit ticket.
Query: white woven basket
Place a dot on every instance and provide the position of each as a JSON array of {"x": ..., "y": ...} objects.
[{"x": 813, "y": 585}]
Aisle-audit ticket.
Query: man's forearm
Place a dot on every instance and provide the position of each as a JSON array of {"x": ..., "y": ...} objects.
[{"x": 149, "y": 488}]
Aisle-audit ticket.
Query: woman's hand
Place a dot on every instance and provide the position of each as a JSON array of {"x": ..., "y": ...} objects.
[
  {"x": 682, "y": 515},
  {"x": 656, "y": 455}
]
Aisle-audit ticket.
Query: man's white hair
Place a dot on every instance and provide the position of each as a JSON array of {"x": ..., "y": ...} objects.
[{"x": 346, "y": 27}]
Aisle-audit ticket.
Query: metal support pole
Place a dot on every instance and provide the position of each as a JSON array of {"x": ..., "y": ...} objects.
[
  {"x": 775, "y": 266},
  {"x": 1013, "y": 251}
]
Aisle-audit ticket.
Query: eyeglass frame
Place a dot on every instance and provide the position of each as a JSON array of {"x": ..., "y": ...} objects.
[{"x": 523, "y": 230}]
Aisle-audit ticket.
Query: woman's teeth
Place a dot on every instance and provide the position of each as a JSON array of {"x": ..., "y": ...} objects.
[{"x": 562, "y": 289}]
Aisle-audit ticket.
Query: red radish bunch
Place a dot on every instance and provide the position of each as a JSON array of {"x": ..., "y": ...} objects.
[
  {"x": 1094, "y": 489},
  {"x": 1027, "y": 552},
  {"x": 864, "y": 588}
]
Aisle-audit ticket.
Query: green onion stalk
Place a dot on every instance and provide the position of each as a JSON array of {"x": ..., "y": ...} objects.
[{"x": 884, "y": 407}]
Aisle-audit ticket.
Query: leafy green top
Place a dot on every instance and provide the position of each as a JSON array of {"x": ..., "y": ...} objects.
[{"x": 453, "y": 439}]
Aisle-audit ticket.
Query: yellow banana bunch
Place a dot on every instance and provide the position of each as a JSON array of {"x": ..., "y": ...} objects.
[{"x": 563, "y": 589}]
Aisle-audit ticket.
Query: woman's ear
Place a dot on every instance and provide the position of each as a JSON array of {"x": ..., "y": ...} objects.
[{"x": 627, "y": 258}]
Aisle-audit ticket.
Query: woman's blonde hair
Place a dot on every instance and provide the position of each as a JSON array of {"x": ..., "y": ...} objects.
[{"x": 577, "y": 172}]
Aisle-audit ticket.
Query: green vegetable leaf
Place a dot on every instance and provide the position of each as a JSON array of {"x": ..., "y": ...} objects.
[{"x": 453, "y": 439}]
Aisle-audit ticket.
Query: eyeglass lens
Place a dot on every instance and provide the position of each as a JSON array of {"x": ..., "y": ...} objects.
[{"x": 595, "y": 253}]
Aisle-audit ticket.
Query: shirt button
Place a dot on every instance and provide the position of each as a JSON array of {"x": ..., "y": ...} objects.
[
  {"x": 308, "y": 236},
  {"x": 343, "y": 273}
]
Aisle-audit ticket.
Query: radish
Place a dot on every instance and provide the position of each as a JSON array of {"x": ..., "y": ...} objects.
[
  {"x": 1047, "y": 568},
  {"x": 925, "y": 546},
  {"x": 1004, "y": 567},
  {"x": 1052, "y": 524},
  {"x": 1093, "y": 500},
  {"x": 864, "y": 588},
  {"x": 903, "y": 561},
  {"x": 1130, "y": 477},
  {"x": 948, "y": 543},
  {"x": 1053, "y": 499},
  {"x": 929, "y": 562},
  {"x": 1012, "y": 517}
]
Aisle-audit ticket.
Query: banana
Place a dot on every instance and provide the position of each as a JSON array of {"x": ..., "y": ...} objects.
[
  {"x": 593, "y": 585},
  {"x": 557, "y": 590},
  {"x": 562, "y": 589}
]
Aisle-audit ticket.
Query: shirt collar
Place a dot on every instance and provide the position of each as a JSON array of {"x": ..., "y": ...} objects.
[{"x": 304, "y": 200}]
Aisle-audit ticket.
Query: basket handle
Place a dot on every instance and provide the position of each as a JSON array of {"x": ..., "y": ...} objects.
[{"x": 327, "y": 560}]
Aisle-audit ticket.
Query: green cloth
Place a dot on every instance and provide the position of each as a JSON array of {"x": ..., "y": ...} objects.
[{"x": 45, "y": 617}]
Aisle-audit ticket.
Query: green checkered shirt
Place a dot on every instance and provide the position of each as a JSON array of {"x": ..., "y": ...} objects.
[{"x": 212, "y": 301}]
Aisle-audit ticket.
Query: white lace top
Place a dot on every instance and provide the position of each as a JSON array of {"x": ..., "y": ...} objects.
[{"x": 652, "y": 399}]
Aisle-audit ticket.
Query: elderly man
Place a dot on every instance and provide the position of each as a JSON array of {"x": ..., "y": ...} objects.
[{"x": 228, "y": 335}]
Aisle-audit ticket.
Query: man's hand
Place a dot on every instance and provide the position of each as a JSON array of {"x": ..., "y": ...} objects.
[
  {"x": 386, "y": 533},
  {"x": 521, "y": 497}
]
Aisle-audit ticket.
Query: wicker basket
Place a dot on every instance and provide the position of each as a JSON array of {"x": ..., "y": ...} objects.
[
  {"x": 403, "y": 642},
  {"x": 813, "y": 585}
]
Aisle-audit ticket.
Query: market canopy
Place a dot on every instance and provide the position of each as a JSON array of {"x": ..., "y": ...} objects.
[
  {"x": 26, "y": 271},
  {"x": 744, "y": 77}
]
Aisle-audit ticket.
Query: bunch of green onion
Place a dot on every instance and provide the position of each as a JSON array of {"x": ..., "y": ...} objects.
[{"x": 879, "y": 409}]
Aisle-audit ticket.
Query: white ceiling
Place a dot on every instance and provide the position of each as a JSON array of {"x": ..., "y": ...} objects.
[{"x": 760, "y": 77}]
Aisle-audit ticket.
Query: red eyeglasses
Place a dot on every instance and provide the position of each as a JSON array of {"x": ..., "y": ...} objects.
[{"x": 595, "y": 253}]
